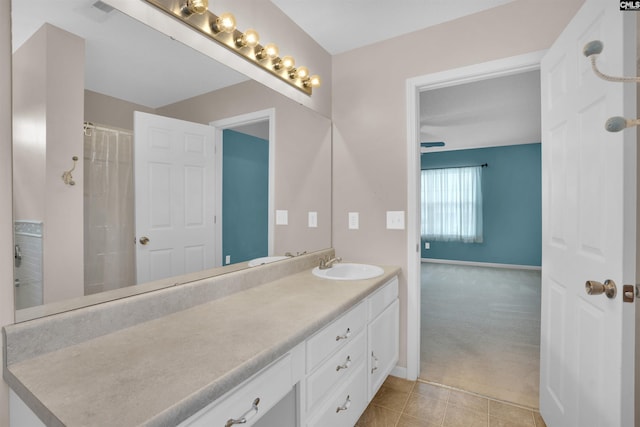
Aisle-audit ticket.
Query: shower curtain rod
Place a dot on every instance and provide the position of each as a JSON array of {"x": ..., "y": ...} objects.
[
  {"x": 484, "y": 165},
  {"x": 90, "y": 125}
]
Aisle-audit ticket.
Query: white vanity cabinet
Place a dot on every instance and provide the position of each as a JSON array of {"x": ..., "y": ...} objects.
[
  {"x": 349, "y": 359},
  {"x": 326, "y": 380}
]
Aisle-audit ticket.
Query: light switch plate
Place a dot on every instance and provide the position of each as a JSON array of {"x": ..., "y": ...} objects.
[
  {"x": 395, "y": 220},
  {"x": 313, "y": 219},
  {"x": 354, "y": 220},
  {"x": 282, "y": 217}
]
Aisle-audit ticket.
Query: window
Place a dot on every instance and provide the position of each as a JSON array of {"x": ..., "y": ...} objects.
[{"x": 452, "y": 204}]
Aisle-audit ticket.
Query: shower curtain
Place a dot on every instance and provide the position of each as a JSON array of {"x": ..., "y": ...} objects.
[{"x": 109, "y": 221}]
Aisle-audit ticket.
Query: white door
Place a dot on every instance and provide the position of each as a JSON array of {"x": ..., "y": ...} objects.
[
  {"x": 174, "y": 196},
  {"x": 589, "y": 217}
]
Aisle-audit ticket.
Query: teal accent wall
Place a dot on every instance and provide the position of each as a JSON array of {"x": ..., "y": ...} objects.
[
  {"x": 245, "y": 193},
  {"x": 512, "y": 199}
]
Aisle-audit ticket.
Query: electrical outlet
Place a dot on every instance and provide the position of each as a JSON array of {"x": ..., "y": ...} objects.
[
  {"x": 354, "y": 220},
  {"x": 313, "y": 219},
  {"x": 227, "y": 259},
  {"x": 427, "y": 245}
]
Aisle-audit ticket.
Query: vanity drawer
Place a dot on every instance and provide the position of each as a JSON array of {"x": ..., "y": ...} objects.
[
  {"x": 335, "y": 336},
  {"x": 346, "y": 405},
  {"x": 382, "y": 298},
  {"x": 337, "y": 368},
  {"x": 269, "y": 385}
]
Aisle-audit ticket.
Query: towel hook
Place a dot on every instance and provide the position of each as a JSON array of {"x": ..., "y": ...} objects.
[
  {"x": 594, "y": 48},
  {"x": 614, "y": 124},
  {"x": 66, "y": 176}
]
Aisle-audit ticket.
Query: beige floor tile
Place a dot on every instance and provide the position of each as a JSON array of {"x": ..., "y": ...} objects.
[
  {"x": 399, "y": 384},
  {"x": 511, "y": 413},
  {"x": 456, "y": 416},
  {"x": 390, "y": 399},
  {"x": 469, "y": 401},
  {"x": 538, "y": 419},
  {"x": 498, "y": 422},
  {"x": 407, "y": 421},
  {"x": 431, "y": 391},
  {"x": 425, "y": 408},
  {"x": 376, "y": 416}
]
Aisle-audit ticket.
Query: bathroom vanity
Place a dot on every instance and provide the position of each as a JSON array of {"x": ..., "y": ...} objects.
[{"x": 273, "y": 345}]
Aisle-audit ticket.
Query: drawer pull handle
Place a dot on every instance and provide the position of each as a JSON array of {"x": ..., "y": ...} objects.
[
  {"x": 345, "y": 365},
  {"x": 375, "y": 363},
  {"x": 345, "y": 336},
  {"x": 243, "y": 419},
  {"x": 345, "y": 406}
]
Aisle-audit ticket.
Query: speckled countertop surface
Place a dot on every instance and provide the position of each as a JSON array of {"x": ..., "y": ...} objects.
[{"x": 160, "y": 372}]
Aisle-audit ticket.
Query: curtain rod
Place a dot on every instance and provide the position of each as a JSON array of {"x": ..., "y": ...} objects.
[{"x": 484, "y": 165}]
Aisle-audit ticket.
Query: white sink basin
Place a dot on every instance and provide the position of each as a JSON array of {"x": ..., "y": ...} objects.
[
  {"x": 265, "y": 260},
  {"x": 349, "y": 271}
]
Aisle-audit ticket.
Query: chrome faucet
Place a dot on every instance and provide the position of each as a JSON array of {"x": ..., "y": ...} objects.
[{"x": 326, "y": 263}]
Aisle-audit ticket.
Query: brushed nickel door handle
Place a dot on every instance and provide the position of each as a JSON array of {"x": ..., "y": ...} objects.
[
  {"x": 596, "y": 288},
  {"x": 144, "y": 240}
]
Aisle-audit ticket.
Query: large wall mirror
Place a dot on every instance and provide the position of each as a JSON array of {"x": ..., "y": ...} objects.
[{"x": 140, "y": 162}]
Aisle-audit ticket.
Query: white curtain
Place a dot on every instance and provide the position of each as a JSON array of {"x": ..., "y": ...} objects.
[
  {"x": 452, "y": 204},
  {"x": 109, "y": 222}
]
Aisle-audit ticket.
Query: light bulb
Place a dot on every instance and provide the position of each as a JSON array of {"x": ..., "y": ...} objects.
[
  {"x": 249, "y": 38},
  {"x": 313, "y": 81},
  {"x": 287, "y": 62},
  {"x": 198, "y": 7},
  {"x": 225, "y": 23},
  {"x": 302, "y": 73},
  {"x": 270, "y": 51}
]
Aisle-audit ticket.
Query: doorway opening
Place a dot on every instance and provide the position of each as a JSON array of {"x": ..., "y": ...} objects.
[
  {"x": 416, "y": 87},
  {"x": 245, "y": 144}
]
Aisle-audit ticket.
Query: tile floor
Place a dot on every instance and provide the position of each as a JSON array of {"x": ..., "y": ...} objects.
[{"x": 402, "y": 403}]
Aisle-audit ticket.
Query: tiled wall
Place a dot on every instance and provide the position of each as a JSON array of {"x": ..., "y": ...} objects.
[{"x": 28, "y": 270}]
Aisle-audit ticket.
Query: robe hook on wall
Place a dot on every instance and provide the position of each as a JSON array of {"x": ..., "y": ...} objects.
[
  {"x": 614, "y": 124},
  {"x": 66, "y": 176}
]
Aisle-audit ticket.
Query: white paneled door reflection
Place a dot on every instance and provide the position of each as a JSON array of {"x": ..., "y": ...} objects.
[{"x": 175, "y": 196}]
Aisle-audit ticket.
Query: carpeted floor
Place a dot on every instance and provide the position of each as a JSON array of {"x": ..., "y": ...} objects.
[{"x": 480, "y": 330}]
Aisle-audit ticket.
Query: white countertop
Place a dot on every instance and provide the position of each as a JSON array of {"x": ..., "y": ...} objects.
[{"x": 162, "y": 371}]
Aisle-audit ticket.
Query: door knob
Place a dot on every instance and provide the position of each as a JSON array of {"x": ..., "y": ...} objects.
[
  {"x": 596, "y": 288},
  {"x": 144, "y": 240}
]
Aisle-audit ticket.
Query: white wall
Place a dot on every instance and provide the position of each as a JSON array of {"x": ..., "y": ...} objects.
[
  {"x": 6, "y": 223},
  {"x": 47, "y": 118},
  {"x": 369, "y": 116}
]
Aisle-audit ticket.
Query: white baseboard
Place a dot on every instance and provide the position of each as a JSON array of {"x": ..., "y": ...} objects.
[
  {"x": 481, "y": 264},
  {"x": 400, "y": 372}
]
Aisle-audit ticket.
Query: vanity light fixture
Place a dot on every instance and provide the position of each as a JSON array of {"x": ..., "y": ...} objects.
[{"x": 222, "y": 29}]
